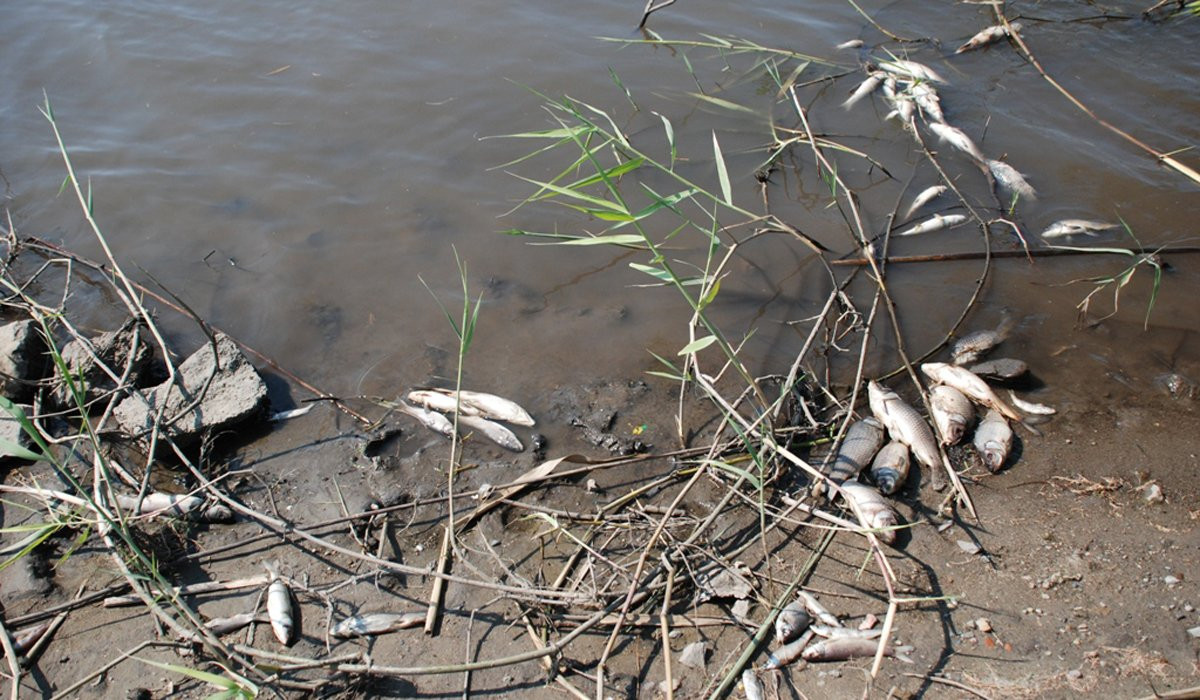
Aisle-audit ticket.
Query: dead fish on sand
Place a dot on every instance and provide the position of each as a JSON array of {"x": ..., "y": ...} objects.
[
  {"x": 843, "y": 648},
  {"x": 1075, "y": 227},
  {"x": 752, "y": 686},
  {"x": 1009, "y": 181},
  {"x": 911, "y": 70},
  {"x": 972, "y": 346},
  {"x": 791, "y": 622},
  {"x": 889, "y": 470},
  {"x": 955, "y": 137},
  {"x": 492, "y": 406},
  {"x": 864, "y": 88},
  {"x": 787, "y": 653},
  {"x": 926, "y": 196},
  {"x": 493, "y": 431},
  {"x": 862, "y": 441},
  {"x": 1030, "y": 407},
  {"x": 845, "y": 632},
  {"x": 376, "y": 623},
  {"x": 936, "y": 223},
  {"x": 279, "y": 606},
  {"x": 973, "y": 386},
  {"x": 952, "y": 412},
  {"x": 904, "y": 424},
  {"x": 993, "y": 440},
  {"x": 876, "y": 513},
  {"x": 820, "y": 611},
  {"x": 988, "y": 36},
  {"x": 160, "y": 503}
]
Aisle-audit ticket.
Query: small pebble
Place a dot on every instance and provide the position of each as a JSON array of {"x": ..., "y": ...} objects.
[
  {"x": 1170, "y": 580},
  {"x": 969, "y": 547},
  {"x": 1074, "y": 674},
  {"x": 983, "y": 624},
  {"x": 1153, "y": 494},
  {"x": 868, "y": 622},
  {"x": 1195, "y": 632},
  {"x": 693, "y": 654}
]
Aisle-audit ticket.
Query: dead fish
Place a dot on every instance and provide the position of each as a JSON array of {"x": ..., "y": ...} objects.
[
  {"x": 376, "y": 623},
  {"x": 876, "y": 513},
  {"x": 911, "y": 69},
  {"x": 988, "y": 36},
  {"x": 955, "y": 137},
  {"x": 970, "y": 347},
  {"x": 864, "y": 88},
  {"x": 787, "y": 653},
  {"x": 438, "y": 401},
  {"x": 493, "y": 431},
  {"x": 215, "y": 513},
  {"x": 925, "y": 196},
  {"x": 752, "y": 686},
  {"x": 890, "y": 468},
  {"x": 1009, "y": 181},
  {"x": 974, "y": 387},
  {"x": 1000, "y": 369},
  {"x": 225, "y": 625},
  {"x": 905, "y": 424},
  {"x": 848, "y": 648},
  {"x": 1030, "y": 407},
  {"x": 493, "y": 407},
  {"x": 927, "y": 99},
  {"x": 936, "y": 223},
  {"x": 862, "y": 441},
  {"x": 434, "y": 421},
  {"x": 1074, "y": 227},
  {"x": 993, "y": 439},
  {"x": 279, "y": 606},
  {"x": 951, "y": 411},
  {"x": 845, "y": 632},
  {"x": 852, "y": 44},
  {"x": 24, "y": 640},
  {"x": 160, "y": 503},
  {"x": 820, "y": 611},
  {"x": 791, "y": 622}
]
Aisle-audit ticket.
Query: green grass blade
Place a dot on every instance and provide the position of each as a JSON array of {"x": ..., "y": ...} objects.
[
  {"x": 722, "y": 172},
  {"x": 725, "y": 104},
  {"x": 698, "y": 345}
]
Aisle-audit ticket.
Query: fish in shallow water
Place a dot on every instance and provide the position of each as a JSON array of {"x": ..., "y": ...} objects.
[
  {"x": 927, "y": 99},
  {"x": 1075, "y": 227},
  {"x": 911, "y": 69},
  {"x": 279, "y": 606},
  {"x": 864, "y": 88},
  {"x": 926, "y": 196},
  {"x": 1030, "y": 407},
  {"x": 988, "y": 36},
  {"x": 376, "y": 623},
  {"x": 973, "y": 386},
  {"x": 993, "y": 440},
  {"x": 904, "y": 424},
  {"x": 1010, "y": 182},
  {"x": 889, "y": 470},
  {"x": 791, "y": 622},
  {"x": 935, "y": 223},
  {"x": 434, "y": 421},
  {"x": 493, "y": 431},
  {"x": 957, "y": 138},
  {"x": 493, "y": 407},
  {"x": 972, "y": 346},
  {"x": 876, "y": 513},
  {"x": 951, "y": 411}
]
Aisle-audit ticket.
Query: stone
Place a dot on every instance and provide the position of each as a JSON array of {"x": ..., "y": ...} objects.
[
  {"x": 693, "y": 654},
  {"x": 236, "y": 394},
  {"x": 983, "y": 624},
  {"x": 128, "y": 347},
  {"x": 12, "y": 432},
  {"x": 22, "y": 359}
]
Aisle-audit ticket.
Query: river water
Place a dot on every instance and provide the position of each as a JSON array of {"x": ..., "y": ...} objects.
[{"x": 293, "y": 171}]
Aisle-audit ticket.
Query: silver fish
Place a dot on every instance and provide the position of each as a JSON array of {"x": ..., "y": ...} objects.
[
  {"x": 1000, "y": 369},
  {"x": 225, "y": 625},
  {"x": 279, "y": 606},
  {"x": 438, "y": 401},
  {"x": 955, "y": 137},
  {"x": 952, "y": 412},
  {"x": 852, "y": 44},
  {"x": 845, "y": 632},
  {"x": 975, "y": 388},
  {"x": 752, "y": 686},
  {"x": 911, "y": 69},
  {"x": 926, "y": 196},
  {"x": 927, "y": 99},
  {"x": 160, "y": 503},
  {"x": 1030, "y": 407},
  {"x": 434, "y": 421},
  {"x": 876, "y": 513},
  {"x": 988, "y": 36},
  {"x": 935, "y": 223},
  {"x": 493, "y": 431},
  {"x": 864, "y": 88},
  {"x": 862, "y": 441},
  {"x": 791, "y": 622},
  {"x": 993, "y": 439},
  {"x": 820, "y": 611},
  {"x": 376, "y": 623},
  {"x": 1010, "y": 182},
  {"x": 493, "y": 407},
  {"x": 787, "y": 653},
  {"x": 973, "y": 345},
  {"x": 1074, "y": 227},
  {"x": 844, "y": 648},
  {"x": 890, "y": 468},
  {"x": 905, "y": 424}
]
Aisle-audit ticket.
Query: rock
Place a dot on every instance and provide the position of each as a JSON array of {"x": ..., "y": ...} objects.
[
  {"x": 22, "y": 359},
  {"x": 1074, "y": 674},
  {"x": 11, "y": 431},
  {"x": 1194, "y": 632},
  {"x": 1153, "y": 494},
  {"x": 969, "y": 547},
  {"x": 724, "y": 584},
  {"x": 983, "y": 624},
  {"x": 235, "y": 394},
  {"x": 1170, "y": 580},
  {"x": 693, "y": 655},
  {"x": 741, "y": 609},
  {"x": 128, "y": 346}
]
